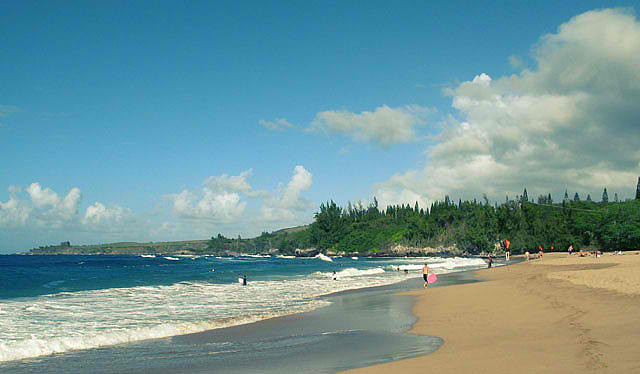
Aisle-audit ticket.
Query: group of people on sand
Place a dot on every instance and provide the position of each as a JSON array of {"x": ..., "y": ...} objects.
[{"x": 581, "y": 253}]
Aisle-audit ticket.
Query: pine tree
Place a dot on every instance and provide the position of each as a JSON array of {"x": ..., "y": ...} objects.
[
  {"x": 605, "y": 196},
  {"x": 588, "y": 197},
  {"x": 525, "y": 196},
  {"x": 566, "y": 195},
  {"x": 576, "y": 197},
  {"x": 638, "y": 190},
  {"x": 615, "y": 197}
]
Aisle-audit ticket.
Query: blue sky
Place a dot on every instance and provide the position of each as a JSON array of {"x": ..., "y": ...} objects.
[{"x": 180, "y": 120}]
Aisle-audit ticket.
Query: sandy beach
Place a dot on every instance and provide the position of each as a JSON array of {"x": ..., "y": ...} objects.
[{"x": 558, "y": 314}]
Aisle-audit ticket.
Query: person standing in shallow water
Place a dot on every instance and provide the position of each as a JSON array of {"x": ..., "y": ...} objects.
[
  {"x": 425, "y": 274},
  {"x": 490, "y": 261}
]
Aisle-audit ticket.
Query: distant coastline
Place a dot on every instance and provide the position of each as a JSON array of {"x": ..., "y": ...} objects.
[{"x": 203, "y": 247}]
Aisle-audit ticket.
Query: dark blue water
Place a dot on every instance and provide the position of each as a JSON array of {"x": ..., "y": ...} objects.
[{"x": 28, "y": 276}]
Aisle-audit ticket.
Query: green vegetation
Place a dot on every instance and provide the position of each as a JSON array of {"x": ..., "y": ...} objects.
[
  {"x": 465, "y": 227},
  {"x": 471, "y": 227}
]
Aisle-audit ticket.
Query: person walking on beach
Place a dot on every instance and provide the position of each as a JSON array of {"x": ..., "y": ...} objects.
[
  {"x": 570, "y": 250},
  {"x": 507, "y": 249},
  {"x": 244, "y": 280},
  {"x": 490, "y": 261},
  {"x": 425, "y": 274}
]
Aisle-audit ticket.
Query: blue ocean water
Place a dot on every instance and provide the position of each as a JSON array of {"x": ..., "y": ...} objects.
[{"x": 61, "y": 304}]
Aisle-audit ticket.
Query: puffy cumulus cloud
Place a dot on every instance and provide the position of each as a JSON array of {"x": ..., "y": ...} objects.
[
  {"x": 572, "y": 123},
  {"x": 42, "y": 208},
  {"x": 217, "y": 206},
  {"x": 42, "y": 197},
  {"x": 287, "y": 203},
  {"x": 14, "y": 212},
  {"x": 98, "y": 213},
  {"x": 100, "y": 218},
  {"x": 385, "y": 126},
  {"x": 234, "y": 183},
  {"x": 52, "y": 209},
  {"x": 218, "y": 201},
  {"x": 277, "y": 125}
]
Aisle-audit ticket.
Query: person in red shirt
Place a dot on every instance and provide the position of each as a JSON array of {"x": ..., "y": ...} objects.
[{"x": 507, "y": 251}]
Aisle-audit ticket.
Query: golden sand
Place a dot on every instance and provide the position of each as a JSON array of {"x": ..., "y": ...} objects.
[
  {"x": 624, "y": 277},
  {"x": 558, "y": 314}
]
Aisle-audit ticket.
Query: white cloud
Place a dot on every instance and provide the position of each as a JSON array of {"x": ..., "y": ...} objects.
[
  {"x": 68, "y": 207},
  {"x": 287, "y": 203},
  {"x": 385, "y": 126},
  {"x": 99, "y": 213},
  {"x": 45, "y": 210},
  {"x": 234, "y": 183},
  {"x": 218, "y": 201},
  {"x": 572, "y": 123},
  {"x": 42, "y": 197},
  {"x": 51, "y": 209},
  {"x": 14, "y": 212},
  {"x": 277, "y": 125}
]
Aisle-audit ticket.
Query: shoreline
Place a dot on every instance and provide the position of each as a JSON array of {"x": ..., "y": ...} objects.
[
  {"x": 557, "y": 314},
  {"x": 350, "y": 329}
]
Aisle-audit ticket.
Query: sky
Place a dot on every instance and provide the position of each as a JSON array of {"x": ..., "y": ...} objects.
[{"x": 170, "y": 120}]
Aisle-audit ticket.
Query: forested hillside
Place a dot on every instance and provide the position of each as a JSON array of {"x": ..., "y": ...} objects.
[{"x": 473, "y": 227}]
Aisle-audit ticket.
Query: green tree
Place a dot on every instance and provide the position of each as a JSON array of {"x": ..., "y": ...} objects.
[
  {"x": 638, "y": 190},
  {"x": 576, "y": 197},
  {"x": 605, "y": 196}
]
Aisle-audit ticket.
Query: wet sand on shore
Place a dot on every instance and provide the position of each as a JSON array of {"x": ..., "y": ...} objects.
[{"x": 560, "y": 314}]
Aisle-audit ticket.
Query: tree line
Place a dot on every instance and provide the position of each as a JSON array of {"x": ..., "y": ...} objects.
[{"x": 471, "y": 227}]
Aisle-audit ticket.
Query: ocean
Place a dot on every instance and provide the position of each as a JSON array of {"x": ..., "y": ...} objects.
[{"x": 69, "y": 313}]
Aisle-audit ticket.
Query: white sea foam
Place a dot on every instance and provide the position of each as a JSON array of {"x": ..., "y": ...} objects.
[
  {"x": 171, "y": 258},
  {"x": 255, "y": 256},
  {"x": 323, "y": 257},
  {"x": 436, "y": 264},
  {"x": 353, "y": 272},
  {"x": 284, "y": 256},
  {"x": 409, "y": 267},
  {"x": 46, "y": 324},
  {"x": 148, "y": 256}
]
